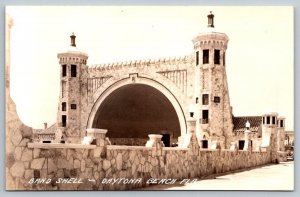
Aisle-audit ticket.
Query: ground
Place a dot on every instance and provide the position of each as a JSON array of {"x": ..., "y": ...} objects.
[{"x": 270, "y": 177}]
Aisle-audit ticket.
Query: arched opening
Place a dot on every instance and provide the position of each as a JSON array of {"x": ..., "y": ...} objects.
[{"x": 133, "y": 111}]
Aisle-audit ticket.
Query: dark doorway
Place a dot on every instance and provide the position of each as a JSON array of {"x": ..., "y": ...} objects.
[
  {"x": 166, "y": 138},
  {"x": 241, "y": 144},
  {"x": 204, "y": 143}
]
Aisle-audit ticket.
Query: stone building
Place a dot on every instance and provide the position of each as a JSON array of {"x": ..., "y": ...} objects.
[
  {"x": 185, "y": 99},
  {"x": 157, "y": 96}
]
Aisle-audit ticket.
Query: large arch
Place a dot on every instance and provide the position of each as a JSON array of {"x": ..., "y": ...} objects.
[{"x": 147, "y": 83}]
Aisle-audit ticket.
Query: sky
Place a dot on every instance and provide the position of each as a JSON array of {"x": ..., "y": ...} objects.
[{"x": 259, "y": 58}]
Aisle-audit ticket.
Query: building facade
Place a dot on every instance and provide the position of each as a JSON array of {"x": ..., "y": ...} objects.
[
  {"x": 183, "y": 98},
  {"x": 157, "y": 96}
]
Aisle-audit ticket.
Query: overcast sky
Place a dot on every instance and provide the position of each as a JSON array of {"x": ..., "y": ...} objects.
[{"x": 260, "y": 56}]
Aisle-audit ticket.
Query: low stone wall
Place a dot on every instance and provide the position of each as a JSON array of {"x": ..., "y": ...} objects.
[
  {"x": 109, "y": 167},
  {"x": 128, "y": 141},
  {"x": 134, "y": 141}
]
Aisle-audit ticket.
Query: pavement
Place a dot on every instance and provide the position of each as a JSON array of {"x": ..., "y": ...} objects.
[{"x": 279, "y": 177}]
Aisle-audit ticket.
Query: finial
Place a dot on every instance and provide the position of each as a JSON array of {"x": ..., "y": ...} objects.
[
  {"x": 210, "y": 20},
  {"x": 247, "y": 125},
  {"x": 73, "y": 44}
]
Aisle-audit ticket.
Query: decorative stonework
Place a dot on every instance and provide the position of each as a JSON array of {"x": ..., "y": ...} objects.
[
  {"x": 178, "y": 77},
  {"x": 95, "y": 83}
]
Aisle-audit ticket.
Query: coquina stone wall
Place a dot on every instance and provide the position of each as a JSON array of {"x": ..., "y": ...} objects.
[{"x": 94, "y": 165}]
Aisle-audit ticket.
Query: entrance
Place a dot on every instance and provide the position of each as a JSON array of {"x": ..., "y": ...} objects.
[
  {"x": 166, "y": 138},
  {"x": 241, "y": 144}
]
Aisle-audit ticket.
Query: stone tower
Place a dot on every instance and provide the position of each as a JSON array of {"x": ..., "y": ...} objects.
[
  {"x": 211, "y": 95},
  {"x": 281, "y": 133},
  {"x": 269, "y": 128},
  {"x": 72, "y": 71}
]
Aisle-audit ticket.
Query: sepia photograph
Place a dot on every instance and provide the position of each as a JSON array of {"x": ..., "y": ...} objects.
[{"x": 149, "y": 98}]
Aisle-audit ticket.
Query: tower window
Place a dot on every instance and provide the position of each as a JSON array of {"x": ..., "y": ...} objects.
[
  {"x": 205, "y": 56},
  {"x": 268, "y": 119},
  {"x": 205, "y": 99},
  {"x": 73, "y": 106},
  {"x": 73, "y": 70},
  {"x": 204, "y": 116},
  {"x": 224, "y": 59},
  {"x": 63, "y": 106},
  {"x": 197, "y": 100},
  {"x": 64, "y": 70},
  {"x": 63, "y": 120},
  {"x": 273, "y": 120},
  {"x": 217, "y": 99},
  {"x": 217, "y": 56},
  {"x": 263, "y": 120},
  {"x": 197, "y": 58},
  {"x": 281, "y": 123}
]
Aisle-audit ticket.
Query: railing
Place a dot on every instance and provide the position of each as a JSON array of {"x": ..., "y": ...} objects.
[{"x": 204, "y": 121}]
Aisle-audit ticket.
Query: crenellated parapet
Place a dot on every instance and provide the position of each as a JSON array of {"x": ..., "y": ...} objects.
[
  {"x": 139, "y": 63},
  {"x": 211, "y": 40}
]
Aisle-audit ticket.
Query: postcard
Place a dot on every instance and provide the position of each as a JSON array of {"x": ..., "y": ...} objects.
[{"x": 149, "y": 98}]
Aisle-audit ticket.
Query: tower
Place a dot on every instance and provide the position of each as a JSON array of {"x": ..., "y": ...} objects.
[
  {"x": 214, "y": 111},
  {"x": 269, "y": 128},
  {"x": 281, "y": 133},
  {"x": 269, "y": 134},
  {"x": 72, "y": 71}
]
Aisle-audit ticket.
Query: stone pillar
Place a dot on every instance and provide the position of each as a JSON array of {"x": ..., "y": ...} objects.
[
  {"x": 98, "y": 136},
  {"x": 99, "y": 139},
  {"x": 191, "y": 127},
  {"x": 247, "y": 138},
  {"x": 215, "y": 144},
  {"x": 233, "y": 146},
  {"x": 154, "y": 141},
  {"x": 193, "y": 145}
]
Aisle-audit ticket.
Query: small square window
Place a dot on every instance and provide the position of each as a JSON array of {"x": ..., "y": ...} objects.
[
  {"x": 73, "y": 106},
  {"x": 204, "y": 143},
  {"x": 205, "y": 99},
  {"x": 217, "y": 99}
]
